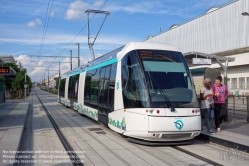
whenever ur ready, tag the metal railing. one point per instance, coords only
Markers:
(240, 103)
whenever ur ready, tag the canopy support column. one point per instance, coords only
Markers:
(224, 67)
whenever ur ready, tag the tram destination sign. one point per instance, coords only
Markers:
(201, 61)
(4, 70)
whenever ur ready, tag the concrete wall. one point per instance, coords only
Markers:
(238, 72)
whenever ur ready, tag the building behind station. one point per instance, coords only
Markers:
(221, 31)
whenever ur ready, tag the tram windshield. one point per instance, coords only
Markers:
(167, 74)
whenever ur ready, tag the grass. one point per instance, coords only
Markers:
(16, 98)
(19, 98)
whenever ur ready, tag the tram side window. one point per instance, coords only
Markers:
(87, 89)
(91, 88)
(105, 89)
(73, 87)
(94, 89)
(100, 82)
(76, 86)
(133, 84)
(70, 85)
(62, 87)
(112, 86)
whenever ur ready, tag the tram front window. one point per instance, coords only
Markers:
(167, 76)
(133, 83)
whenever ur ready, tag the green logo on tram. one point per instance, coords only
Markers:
(179, 124)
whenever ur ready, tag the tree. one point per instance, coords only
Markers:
(17, 84)
(57, 83)
(7, 82)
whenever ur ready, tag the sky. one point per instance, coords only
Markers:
(53, 27)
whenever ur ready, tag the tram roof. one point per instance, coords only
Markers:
(107, 58)
(96, 61)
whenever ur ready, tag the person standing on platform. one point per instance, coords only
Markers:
(206, 95)
(220, 96)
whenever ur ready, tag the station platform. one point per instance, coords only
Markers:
(234, 134)
(12, 120)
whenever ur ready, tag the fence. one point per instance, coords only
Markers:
(2, 90)
(12, 94)
(239, 105)
(51, 90)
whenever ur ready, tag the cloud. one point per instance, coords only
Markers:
(63, 38)
(57, 40)
(163, 7)
(36, 70)
(77, 9)
(52, 13)
(140, 7)
(34, 23)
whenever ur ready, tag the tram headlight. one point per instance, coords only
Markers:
(197, 111)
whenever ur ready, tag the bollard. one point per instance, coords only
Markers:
(247, 103)
(233, 106)
(243, 96)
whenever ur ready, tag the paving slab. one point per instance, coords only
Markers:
(235, 134)
(12, 121)
(220, 154)
(45, 138)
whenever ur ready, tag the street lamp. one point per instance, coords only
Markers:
(245, 14)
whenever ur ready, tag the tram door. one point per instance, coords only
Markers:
(104, 95)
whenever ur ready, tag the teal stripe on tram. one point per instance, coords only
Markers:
(76, 73)
(63, 77)
(102, 64)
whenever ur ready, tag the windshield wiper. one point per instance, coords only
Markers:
(152, 81)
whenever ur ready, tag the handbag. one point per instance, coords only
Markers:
(211, 106)
(211, 111)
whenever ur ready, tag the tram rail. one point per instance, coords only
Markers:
(73, 156)
(174, 147)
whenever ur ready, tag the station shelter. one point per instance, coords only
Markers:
(5, 71)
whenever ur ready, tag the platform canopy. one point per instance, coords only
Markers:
(7, 59)
(215, 59)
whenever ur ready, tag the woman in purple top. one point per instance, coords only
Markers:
(221, 93)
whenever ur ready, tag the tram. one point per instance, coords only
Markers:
(141, 90)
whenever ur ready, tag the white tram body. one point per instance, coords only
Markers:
(141, 90)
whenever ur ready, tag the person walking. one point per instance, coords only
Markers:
(220, 96)
(206, 96)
